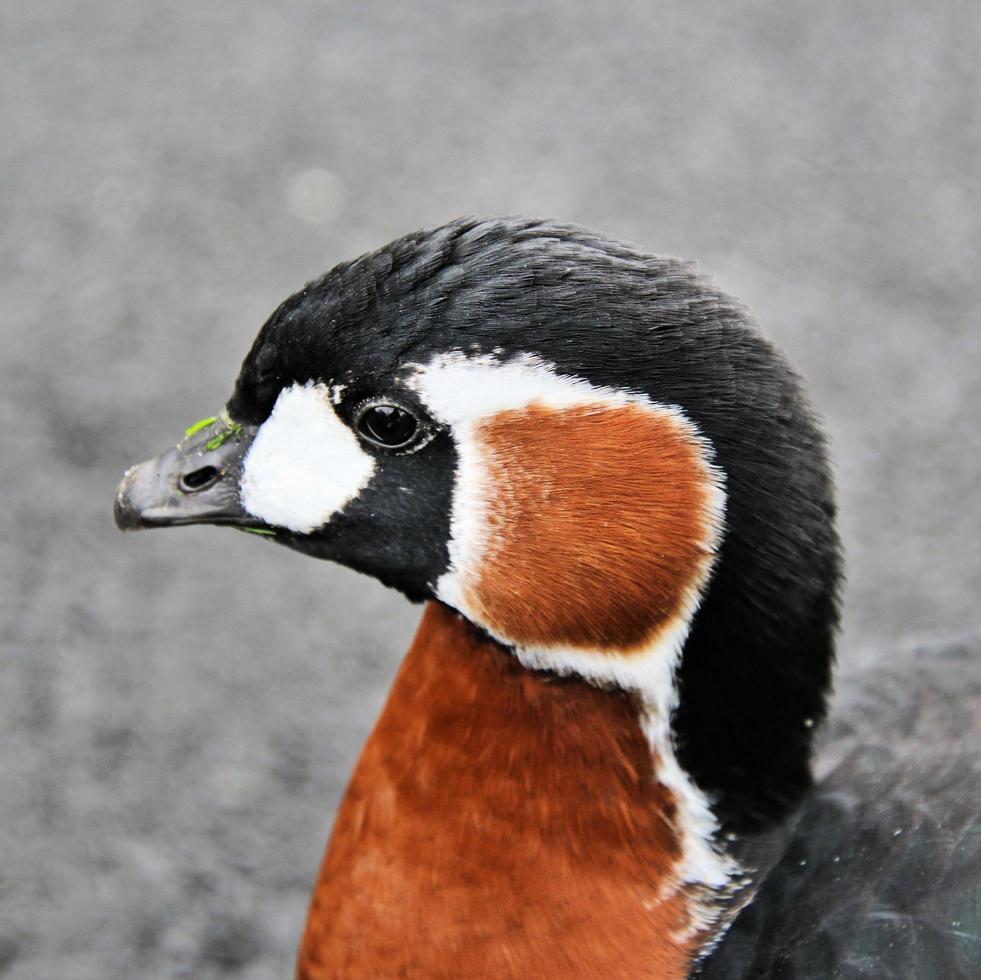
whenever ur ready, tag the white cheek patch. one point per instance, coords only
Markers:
(305, 464)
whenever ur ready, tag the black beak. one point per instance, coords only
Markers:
(196, 482)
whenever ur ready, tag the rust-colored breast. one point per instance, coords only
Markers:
(500, 823)
(598, 525)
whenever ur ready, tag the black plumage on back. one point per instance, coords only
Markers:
(881, 871)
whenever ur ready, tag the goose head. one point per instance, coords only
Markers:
(590, 453)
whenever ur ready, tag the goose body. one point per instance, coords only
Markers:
(610, 492)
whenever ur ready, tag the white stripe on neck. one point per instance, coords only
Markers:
(462, 391)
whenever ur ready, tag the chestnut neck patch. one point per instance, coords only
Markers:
(600, 525)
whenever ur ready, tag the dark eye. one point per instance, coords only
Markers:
(388, 425)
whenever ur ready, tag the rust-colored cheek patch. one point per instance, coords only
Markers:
(598, 525)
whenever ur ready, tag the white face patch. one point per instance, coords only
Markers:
(305, 464)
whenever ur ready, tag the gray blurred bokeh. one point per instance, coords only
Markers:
(180, 710)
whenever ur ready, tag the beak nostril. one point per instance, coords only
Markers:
(199, 479)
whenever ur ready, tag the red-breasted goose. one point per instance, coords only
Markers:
(612, 495)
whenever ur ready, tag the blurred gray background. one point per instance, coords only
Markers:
(179, 710)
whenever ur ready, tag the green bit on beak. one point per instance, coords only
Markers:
(231, 429)
(264, 531)
(198, 426)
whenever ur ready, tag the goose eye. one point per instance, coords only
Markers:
(388, 426)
